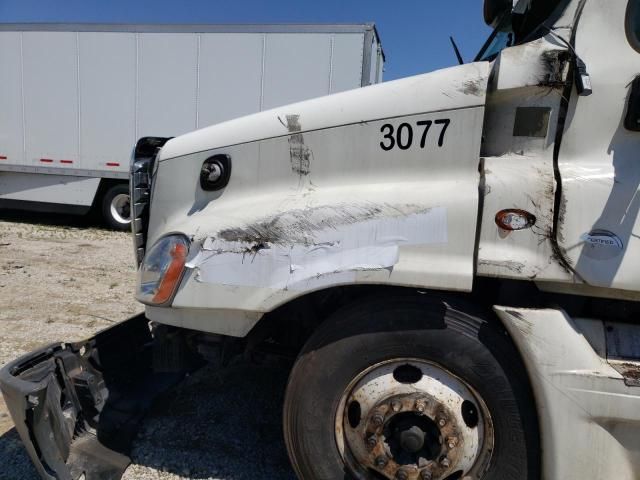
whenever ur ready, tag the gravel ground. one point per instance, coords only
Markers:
(217, 425)
(65, 278)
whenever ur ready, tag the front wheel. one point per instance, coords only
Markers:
(411, 389)
(116, 207)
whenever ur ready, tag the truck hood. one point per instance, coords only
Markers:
(374, 185)
(456, 87)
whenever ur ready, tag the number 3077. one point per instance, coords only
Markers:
(402, 136)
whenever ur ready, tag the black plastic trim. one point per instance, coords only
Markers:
(223, 163)
(77, 406)
(140, 177)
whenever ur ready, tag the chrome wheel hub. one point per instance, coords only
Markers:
(120, 208)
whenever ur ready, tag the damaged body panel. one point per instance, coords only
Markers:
(452, 184)
(585, 403)
(312, 205)
(524, 107)
(599, 224)
(77, 406)
(565, 157)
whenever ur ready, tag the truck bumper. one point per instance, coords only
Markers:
(77, 406)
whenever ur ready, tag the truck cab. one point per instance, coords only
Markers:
(450, 260)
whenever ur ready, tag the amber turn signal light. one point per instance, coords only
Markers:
(173, 274)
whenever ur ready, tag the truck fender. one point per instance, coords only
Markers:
(587, 410)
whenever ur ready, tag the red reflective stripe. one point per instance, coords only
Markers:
(112, 164)
(2, 157)
(66, 161)
(46, 160)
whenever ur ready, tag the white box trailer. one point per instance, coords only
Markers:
(75, 98)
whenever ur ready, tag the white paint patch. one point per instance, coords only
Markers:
(334, 256)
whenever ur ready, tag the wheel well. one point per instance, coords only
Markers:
(105, 185)
(282, 333)
(290, 325)
(293, 323)
(448, 330)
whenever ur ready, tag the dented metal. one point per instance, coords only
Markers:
(302, 249)
(346, 191)
(585, 403)
(317, 201)
(77, 406)
(491, 169)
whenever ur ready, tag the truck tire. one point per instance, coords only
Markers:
(116, 207)
(410, 387)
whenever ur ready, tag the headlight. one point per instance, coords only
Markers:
(161, 270)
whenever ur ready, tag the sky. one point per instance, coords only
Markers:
(414, 33)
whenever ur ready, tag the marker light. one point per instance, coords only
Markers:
(161, 270)
(515, 219)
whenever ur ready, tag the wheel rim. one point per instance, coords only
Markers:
(409, 419)
(120, 208)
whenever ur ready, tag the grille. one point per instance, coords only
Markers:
(140, 185)
(140, 190)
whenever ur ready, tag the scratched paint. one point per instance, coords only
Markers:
(299, 153)
(330, 254)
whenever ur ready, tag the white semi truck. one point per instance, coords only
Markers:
(75, 97)
(451, 261)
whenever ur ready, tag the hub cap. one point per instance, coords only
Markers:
(410, 419)
(120, 208)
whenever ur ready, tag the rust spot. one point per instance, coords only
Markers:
(629, 370)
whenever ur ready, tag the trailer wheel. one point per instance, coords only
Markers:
(410, 388)
(116, 210)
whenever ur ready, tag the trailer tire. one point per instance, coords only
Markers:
(346, 365)
(116, 207)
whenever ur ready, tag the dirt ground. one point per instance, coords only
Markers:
(59, 282)
(65, 278)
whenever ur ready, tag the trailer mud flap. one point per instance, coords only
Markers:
(77, 406)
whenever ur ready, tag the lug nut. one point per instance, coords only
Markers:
(426, 475)
(402, 475)
(442, 421)
(396, 406)
(420, 406)
(381, 461)
(377, 419)
(372, 441)
(445, 462)
(452, 442)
